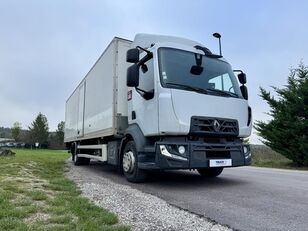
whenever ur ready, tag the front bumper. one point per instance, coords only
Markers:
(199, 154)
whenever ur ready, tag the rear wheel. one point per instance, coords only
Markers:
(81, 161)
(130, 164)
(73, 151)
(210, 172)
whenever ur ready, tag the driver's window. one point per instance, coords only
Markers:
(215, 83)
(222, 83)
(227, 84)
(146, 76)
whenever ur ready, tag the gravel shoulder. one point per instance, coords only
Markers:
(137, 209)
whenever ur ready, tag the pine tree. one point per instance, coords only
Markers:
(15, 130)
(287, 131)
(60, 133)
(39, 130)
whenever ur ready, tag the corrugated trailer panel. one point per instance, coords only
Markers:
(105, 99)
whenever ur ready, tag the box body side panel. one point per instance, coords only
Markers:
(99, 93)
(105, 96)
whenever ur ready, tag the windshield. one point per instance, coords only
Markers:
(189, 71)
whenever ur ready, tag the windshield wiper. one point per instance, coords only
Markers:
(204, 91)
(186, 87)
(223, 93)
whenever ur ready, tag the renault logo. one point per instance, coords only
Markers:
(216, 125)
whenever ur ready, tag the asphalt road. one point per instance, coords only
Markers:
(245, 198)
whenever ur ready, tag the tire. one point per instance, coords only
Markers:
(73, 151)
(210, 172)
(78, 161)
(129, 164)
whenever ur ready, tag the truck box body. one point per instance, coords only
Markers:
(98, 106)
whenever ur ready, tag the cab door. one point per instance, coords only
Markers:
(141, 111)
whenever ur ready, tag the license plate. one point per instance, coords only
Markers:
(221, 163)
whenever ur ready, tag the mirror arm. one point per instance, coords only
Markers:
(145, 58)
(138, 90)
(141, 48)
(145, 94)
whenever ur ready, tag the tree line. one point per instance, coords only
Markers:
(37, 133)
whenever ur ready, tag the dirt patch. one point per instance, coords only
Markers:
(6, 152)
(43, 217)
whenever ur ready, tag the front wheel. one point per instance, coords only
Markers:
(130, 164)
(210, 172)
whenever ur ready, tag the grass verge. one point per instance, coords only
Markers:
(263, 156)
(35, 195)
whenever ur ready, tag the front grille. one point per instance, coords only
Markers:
(213, 126)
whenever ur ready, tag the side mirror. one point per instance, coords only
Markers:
(244, 91)
(132, 77)
(242, 77)
(132, 55)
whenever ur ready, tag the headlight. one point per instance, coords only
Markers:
(164, 151)
(247, 152)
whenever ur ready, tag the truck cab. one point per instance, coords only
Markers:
(187, 105)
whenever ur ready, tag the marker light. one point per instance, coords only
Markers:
(181, 150)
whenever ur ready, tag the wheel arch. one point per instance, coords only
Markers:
(132, 133)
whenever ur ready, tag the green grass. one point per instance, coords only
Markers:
(35, 195)
(263, 156)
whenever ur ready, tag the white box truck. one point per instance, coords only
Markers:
(160, 102)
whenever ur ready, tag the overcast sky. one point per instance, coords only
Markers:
(46, 47)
